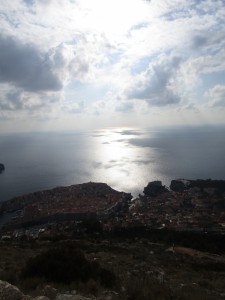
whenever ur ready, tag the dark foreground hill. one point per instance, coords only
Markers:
(106, 268)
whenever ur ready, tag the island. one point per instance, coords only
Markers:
(2, 168)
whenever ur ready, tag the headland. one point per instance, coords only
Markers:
(187, 205)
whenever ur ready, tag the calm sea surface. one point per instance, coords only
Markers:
(123, 158)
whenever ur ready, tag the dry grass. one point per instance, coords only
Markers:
(135, 264)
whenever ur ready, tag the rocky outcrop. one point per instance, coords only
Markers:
(9, 292)
(155, 188)
(2, 168)
(50, 291)
(71, 297)
(180, 185)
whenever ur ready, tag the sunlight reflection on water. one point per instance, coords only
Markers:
(127, 167)
(126, 159)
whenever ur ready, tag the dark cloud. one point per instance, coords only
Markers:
(31, 79)
(199, 41)
(25, 66)
(13, 101)
(155, 84)
(203, 40)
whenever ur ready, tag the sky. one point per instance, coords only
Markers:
(84, 64)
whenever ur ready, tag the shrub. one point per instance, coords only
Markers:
(147, 289)
(211, 266)
(64, 264)
(93, 287)
(30, 283)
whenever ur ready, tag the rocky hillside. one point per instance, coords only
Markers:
(11, 292)
(114, 268)
(166, 244)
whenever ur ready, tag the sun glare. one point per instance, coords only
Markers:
(113, 17)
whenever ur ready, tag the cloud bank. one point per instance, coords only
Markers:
(104, 62)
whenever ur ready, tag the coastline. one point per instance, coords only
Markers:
(160, 243)
(186, 205)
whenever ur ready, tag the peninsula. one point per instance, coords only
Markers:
(193, 205)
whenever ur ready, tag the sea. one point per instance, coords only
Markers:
(124, 158)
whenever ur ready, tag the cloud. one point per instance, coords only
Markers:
(17, 99)
(74, 107)
(216, 96)
(199, 41)
(143, 64)
(13, 101)
(125, 107)
(155, 85)
(203, 42)
(31, 79)
(23, 65)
